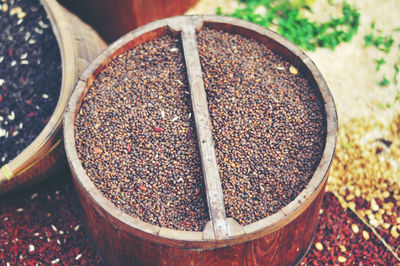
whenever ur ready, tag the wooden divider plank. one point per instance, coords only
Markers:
(204, 131)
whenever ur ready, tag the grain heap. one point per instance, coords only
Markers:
(366, 172)
(136, 138)
(30, 75)
(268, 124)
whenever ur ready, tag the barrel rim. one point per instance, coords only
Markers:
(192, 239)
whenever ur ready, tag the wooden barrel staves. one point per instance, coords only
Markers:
(282, 238)
(45, 156)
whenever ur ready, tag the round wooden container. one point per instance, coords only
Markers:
(78, 44)
(115, 18)
(282, 238)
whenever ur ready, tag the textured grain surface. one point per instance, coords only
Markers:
(136, 137)
(268, 124)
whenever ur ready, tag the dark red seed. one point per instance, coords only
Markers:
(157, 129)
(129, 148)
(1, 98)
(29, 101)
(21, 79)
(197, 192)
(31, 114)
(10, 52)
(46, 120)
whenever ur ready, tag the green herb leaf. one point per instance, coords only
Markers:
(379, 63)
(298, 29)
(383, 43)
(381, 106)
(384, 82)
(396, 72)
(346, 145)
(397, 96)
(369, 39)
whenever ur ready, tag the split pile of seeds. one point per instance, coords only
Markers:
(268, 124)
(135, 133)
(44, 226)
(135, 136)
(341, 238)
(30, 74)
(366, 174)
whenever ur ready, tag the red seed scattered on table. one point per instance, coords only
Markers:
(1, 98)
(197, 192)
(10, 52)
(157, 129)
(129, 148)
(29, 101)
(27, 241)
(344, 242)
(21, 79)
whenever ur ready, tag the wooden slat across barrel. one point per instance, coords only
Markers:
(282, 238)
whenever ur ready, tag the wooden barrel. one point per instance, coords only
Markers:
(282, 238)
(78, 44)
(112, 19)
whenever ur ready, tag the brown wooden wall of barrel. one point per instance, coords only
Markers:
(114, 18)
(118, 246)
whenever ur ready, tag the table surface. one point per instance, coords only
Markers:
(44, 224)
